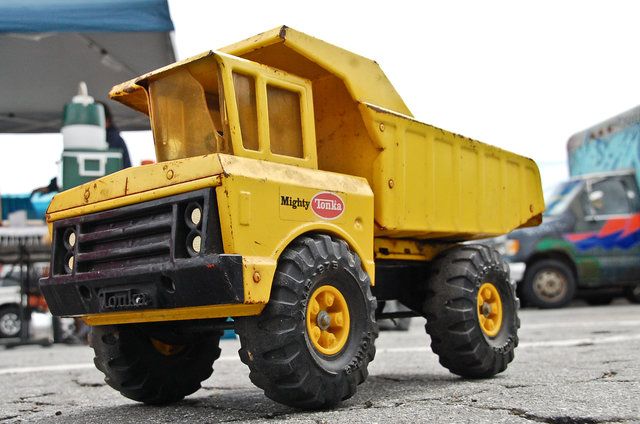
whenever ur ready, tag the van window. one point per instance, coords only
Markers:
(609, 197)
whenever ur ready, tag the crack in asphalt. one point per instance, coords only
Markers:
(457, 399)
(560, 419)
(87, 384)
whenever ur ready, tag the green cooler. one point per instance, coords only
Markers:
(82, 166)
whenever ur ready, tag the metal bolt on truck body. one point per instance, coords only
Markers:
(295, 193)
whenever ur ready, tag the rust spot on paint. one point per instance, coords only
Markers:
(211, 266)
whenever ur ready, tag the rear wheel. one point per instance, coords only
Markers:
(471, 310)
(548, 283)
(10, 323)
(633, 293)
(311, 345)
(152, 367)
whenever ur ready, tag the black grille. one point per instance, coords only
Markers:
(142, 234)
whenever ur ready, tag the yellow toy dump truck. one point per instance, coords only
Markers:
(291, 177)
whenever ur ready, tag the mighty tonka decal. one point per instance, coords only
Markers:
(294, 203)
(327, 205)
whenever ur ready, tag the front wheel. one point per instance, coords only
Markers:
(311, 345)
(471, 311)
(548, 283)
(152, 366)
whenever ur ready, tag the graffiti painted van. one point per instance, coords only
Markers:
(589, 242)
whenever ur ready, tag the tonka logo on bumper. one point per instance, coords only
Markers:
(327, 205)
(122, 299)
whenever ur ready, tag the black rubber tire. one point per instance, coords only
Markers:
(548, 265)
(12, 313)
(450, 308)
(275, 344)
(134, 367)
(632, 293)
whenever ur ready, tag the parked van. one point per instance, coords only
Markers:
(589, 241)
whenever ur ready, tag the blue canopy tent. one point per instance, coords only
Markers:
(48, 46)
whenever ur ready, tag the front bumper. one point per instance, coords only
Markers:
(207, 280)
(139, 257)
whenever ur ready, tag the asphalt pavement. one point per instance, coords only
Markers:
(574, 365)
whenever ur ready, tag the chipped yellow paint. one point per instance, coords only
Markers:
(430, 183)
(135, 185)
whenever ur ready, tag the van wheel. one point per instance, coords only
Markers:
(311, 345)
(548, 283)
(471, 311)
(150, 368)
(633, 293)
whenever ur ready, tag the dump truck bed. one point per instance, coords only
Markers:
(433, 184)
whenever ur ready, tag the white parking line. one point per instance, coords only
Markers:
(72, 367)
(585, 324)
(545, 343)
(587, 341)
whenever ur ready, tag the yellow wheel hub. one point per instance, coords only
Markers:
(489, 309)
(165, 348)
(328, 320)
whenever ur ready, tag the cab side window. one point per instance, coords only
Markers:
(612, 196)
(285, 123)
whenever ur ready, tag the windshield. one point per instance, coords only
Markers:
(561, 196)
(185, 114)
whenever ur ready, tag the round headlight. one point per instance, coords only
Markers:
(196, 244)
(196, 216)
(71, 239)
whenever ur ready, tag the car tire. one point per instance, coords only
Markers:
(472, 311)
(294, 355)
(548, 283)
(10, 322)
